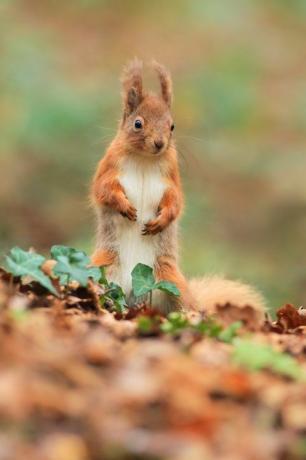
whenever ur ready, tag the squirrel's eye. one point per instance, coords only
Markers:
(172, 127)
(137, 124)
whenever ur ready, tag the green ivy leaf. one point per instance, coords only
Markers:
(59, 250)
(95, 274)
(26, 263)
(142, 280)
(68, 270)
(116, 294)
(168, 287)
(73, 265)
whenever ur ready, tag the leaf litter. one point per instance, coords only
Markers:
(83, 378)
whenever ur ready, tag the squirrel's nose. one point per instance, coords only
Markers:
(159, 144)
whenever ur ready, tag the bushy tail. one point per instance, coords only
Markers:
(214, 292)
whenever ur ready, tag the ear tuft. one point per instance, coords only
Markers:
(165, 82)
(132, 85)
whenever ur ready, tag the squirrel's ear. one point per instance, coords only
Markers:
(165, 82)
(132, 85)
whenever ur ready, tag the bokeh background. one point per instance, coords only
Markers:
(239, 70)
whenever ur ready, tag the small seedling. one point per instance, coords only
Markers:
(176, 322)
(143, 282)
(257, 356)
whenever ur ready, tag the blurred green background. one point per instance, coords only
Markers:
(239, 70)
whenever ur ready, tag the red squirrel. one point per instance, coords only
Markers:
(138, 198)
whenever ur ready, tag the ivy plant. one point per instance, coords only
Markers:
(73, 265)
(27, 263)
(143, 282)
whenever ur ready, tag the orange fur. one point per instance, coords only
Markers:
(166, 269)
(106, 188)
(132, 86)
(215, 291)
(102, 257)
(165, 82)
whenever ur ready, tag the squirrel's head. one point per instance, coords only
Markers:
(147, 122)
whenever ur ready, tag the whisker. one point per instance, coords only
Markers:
(181, 154)
(102, 140)
(198, 139)
(108, 128)
(193, 162)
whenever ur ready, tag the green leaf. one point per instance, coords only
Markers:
(145, 324)
(95, 274)
(256, 356)
(230, 332)
(26, 263)
(59, 250)
(209, 327)
(73, 265)
(69, 270)
(168, 287)
(102, 276)
(142, 280)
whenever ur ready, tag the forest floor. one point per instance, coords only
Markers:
(79, 382)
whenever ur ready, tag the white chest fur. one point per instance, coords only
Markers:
(144, 186)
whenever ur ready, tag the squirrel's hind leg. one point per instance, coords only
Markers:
(166, 269)
(103, 257)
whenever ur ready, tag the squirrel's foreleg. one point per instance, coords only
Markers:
(168, 210)
(111, 193)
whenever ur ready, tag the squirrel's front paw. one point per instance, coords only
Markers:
(153, 227)
(130, 212)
